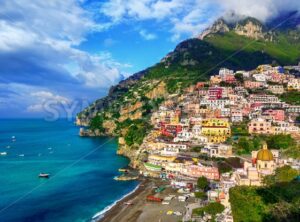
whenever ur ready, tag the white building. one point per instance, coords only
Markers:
(217, 150)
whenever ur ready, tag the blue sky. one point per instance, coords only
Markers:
(68, 53)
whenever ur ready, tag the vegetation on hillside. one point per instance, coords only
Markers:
(291, 97)
(279, 201)
(282, 50)
(212, 209)
(137, 130)
(281, 141)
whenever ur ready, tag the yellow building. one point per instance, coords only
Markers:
(217, 130)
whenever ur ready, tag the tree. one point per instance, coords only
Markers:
(201, 195)
(245, 145)
(239, 77)
(97, 123)
(280, 141)
(202, 183)
(211, 208)
(269, 180)
(214, 208)
(285, 174)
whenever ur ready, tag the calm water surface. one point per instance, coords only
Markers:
(82, 172)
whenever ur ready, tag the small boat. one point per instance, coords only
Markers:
(3, 153)
(44, 175)
(123, 170)
(21, 155)
(128, 203)
(8, 147)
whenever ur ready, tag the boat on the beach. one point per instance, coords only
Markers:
(44, 175)
(128, 203)
(160, 189)
(154, 199)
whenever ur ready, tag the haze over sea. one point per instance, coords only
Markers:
(79, 187)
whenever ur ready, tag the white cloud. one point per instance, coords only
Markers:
(147, 35)
(39, 40)
(262, 10)
(190, 17)
(46, 95)
(119, 10)
(42, 98)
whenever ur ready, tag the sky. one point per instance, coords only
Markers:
(62, 55)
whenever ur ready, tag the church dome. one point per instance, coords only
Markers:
(264, 154)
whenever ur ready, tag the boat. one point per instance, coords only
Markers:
(3, 153)
(21, 155)
(44, 175)
(125, 178)
(123, 170)
(154, 199)
(128, 203)
(160, 189)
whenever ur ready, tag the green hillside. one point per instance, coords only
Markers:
(191, 61)
(195, 60)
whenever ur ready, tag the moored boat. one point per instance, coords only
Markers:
(44, 175)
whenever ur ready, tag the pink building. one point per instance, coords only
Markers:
(215, 92)
(277, 115)
(259, 126)
(278, 78)
(229, 78)
(211, 173)
(252, 84)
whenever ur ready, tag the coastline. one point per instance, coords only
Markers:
(136, 208)
(113, 211)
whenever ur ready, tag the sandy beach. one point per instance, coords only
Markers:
(143, 210)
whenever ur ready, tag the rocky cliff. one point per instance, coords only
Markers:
(243, 44)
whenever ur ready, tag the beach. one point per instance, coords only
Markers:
(142, 210)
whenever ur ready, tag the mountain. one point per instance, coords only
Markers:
(242, 44)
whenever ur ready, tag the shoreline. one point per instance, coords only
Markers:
(101, 214)
(114, 210)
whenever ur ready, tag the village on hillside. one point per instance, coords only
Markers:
(237, 129)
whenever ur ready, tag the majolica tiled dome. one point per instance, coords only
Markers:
(264, 154)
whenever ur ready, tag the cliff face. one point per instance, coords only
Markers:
(248, 27)
(219, 26)
(250, 30)
(125, 112)
(157, 91)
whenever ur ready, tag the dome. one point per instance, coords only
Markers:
(264, 154)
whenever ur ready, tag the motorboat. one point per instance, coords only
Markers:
(44, 175)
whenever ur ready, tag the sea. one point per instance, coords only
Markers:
(81, 169)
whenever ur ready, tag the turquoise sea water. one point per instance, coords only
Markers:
(82, 171)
